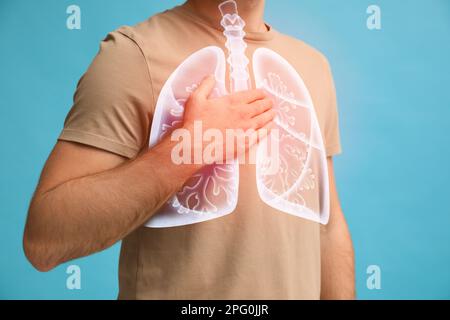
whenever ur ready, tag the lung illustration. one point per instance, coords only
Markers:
(212, 191)
(299, 186)
(292, 178)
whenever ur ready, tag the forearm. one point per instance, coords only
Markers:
(337, 262)
(89, 214)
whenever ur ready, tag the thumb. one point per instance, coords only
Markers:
(205, 88)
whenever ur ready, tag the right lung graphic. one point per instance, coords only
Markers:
(298, 186)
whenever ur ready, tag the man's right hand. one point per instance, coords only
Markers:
(240, 112)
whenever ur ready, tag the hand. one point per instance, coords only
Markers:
(248, 112)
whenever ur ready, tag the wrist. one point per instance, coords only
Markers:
(167, 155)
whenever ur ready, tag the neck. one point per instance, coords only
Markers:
(251, 11)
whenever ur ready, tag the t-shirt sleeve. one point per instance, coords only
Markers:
(331, 130)
(113, 101)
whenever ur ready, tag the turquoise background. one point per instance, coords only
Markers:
(394, 98)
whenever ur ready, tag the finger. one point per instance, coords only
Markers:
(262, 133)
(248, 96)
(263, 119)
(265, 130)
(205, 88)
(259, 106)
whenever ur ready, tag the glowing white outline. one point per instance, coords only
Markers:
(173, 213)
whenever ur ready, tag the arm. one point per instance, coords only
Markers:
(88, 199)
(338, 275)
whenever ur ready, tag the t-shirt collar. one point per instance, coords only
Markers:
(250, 36)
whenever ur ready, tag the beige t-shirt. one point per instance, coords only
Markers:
(256, 252)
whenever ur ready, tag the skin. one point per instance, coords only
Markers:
(78, 210)
(252, 11)
(336, 250)
(107, 197)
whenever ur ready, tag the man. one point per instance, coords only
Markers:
(101, 182)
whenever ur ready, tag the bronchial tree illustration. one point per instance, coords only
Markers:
(299, 186)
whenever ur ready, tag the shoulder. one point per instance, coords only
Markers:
(303, 47)
(150, 30)
(131, 43)
(303, 53)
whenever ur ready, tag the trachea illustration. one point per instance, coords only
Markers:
(298, 186)
(234, 33)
